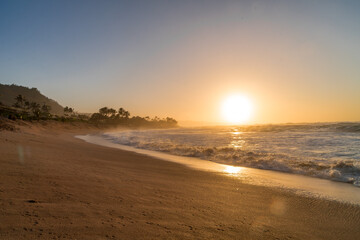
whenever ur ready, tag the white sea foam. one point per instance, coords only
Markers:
(329, 151)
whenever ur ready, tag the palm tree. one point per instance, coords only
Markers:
(27, 104)
(107, 112)
(171, 121)
(45, 109)
(35, 107)
(68, 110)
(20, 98)
(103, 111)
(19, 101)
(126, 115)
(111, 112)
(96, 117)
(123, 113)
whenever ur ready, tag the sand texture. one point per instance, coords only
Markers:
(54, 186)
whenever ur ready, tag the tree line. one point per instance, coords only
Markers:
(35, 108)
(123, 117)
(26, 110)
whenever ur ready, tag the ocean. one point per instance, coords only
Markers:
(323, 150)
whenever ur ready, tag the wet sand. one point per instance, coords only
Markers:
(54, 186)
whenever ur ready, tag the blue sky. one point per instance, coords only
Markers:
(297, 60)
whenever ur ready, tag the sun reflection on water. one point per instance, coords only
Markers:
(237, 141)
(232, 170)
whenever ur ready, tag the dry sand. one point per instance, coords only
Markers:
(54, 186)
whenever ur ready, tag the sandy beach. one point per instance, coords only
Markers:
(54, 186)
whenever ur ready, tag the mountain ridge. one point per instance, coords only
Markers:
(8, 93)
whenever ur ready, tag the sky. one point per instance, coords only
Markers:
(297, 61)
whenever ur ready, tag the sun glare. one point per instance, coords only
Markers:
(236, 109)
(232, 170)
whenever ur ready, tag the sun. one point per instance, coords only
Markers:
(236, 109)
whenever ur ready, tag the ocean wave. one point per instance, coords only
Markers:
(335, 169)
(339, 127)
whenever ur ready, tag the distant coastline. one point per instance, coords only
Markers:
(22, 103)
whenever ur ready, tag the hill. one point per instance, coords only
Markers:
(9, 92)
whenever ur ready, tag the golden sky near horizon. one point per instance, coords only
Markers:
(294, 61)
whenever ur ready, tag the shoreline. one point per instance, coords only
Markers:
(53, 185)
(300, 184)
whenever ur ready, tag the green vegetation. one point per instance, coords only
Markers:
(9, 96)
(26, 110)
(122, 117)
(107, 117)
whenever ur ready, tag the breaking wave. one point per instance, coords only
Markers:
(335, 127)
(330, 151)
